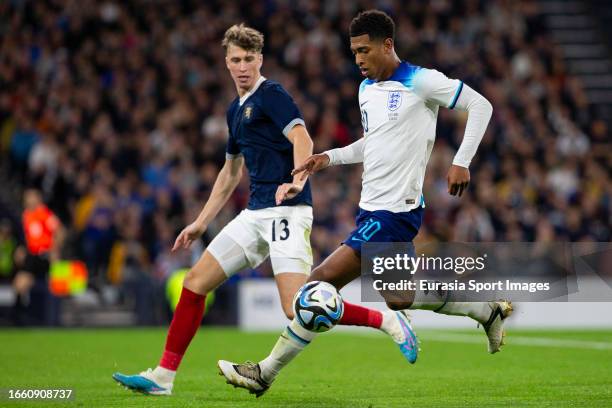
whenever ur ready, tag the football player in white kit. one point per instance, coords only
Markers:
(399, 105)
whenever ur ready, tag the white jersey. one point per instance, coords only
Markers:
(399, 122)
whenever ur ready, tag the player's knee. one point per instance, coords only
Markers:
(398, 305)
(190, 279)
(194, 282)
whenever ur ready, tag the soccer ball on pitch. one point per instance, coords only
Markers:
(318, 306)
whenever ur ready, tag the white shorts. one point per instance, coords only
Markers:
(282, 233)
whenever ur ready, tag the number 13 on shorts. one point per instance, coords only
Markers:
(284, 232)
(289, 233)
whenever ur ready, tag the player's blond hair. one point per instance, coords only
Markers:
(244, 37)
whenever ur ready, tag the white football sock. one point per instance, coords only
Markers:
(388, 321)
(429, 299)
(289, 344)
(163, 375)
(443, 302)
(479, 311)
(390, 325)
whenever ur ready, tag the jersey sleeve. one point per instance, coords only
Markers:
(232, 150)
(281, 109)
(434, 86)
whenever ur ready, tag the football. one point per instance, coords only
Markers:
(318, 306)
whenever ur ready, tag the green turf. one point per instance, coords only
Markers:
(337, 370)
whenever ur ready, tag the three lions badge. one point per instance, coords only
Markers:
(394, 101)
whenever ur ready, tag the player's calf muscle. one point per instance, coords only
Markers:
(288, 285)
(287, 301)
(398, 305)
(288, 309)
(398, 300)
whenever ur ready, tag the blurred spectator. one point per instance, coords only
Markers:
(8, 244)
(44, 236)
(144, 293)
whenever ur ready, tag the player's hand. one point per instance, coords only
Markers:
(458, 180)
(189, 234)
(287, 191)
(312, 164)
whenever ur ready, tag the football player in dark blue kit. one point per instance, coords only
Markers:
(268, 135)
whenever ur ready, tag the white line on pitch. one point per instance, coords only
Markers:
(520, 341)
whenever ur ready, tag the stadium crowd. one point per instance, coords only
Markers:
(116, 110)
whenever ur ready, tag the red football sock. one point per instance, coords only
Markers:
(185, 323)
(355, 315)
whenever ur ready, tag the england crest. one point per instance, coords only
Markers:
(395, 100)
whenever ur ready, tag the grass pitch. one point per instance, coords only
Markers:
(339, 369)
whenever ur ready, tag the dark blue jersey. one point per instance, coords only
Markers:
(258, 130)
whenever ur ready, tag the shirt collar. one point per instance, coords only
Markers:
(244, 97)
(399, 73)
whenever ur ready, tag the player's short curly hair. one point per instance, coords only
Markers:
(244, 37)
(375, 23)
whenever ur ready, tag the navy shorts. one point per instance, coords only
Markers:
(384, 226)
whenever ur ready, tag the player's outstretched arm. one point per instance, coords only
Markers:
(312, 164)
(224, 186)
(350, 154)
(302, 149)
